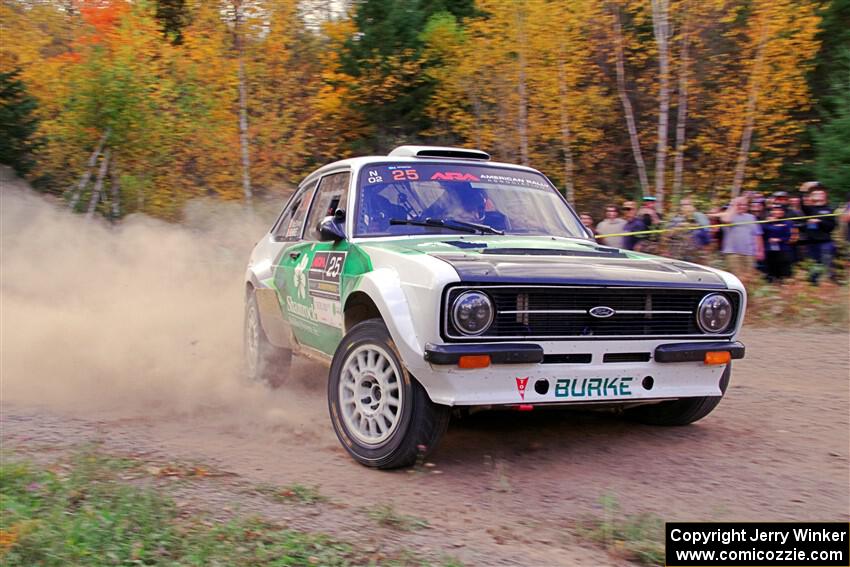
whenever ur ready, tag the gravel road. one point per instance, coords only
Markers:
(505, 487)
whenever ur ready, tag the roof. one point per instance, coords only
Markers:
(394, 156)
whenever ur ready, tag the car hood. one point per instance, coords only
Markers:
(551, 260)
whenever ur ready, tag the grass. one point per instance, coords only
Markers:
(387, 516)
(637, 538)
(799, 301)
(83, 514)
(292, 493)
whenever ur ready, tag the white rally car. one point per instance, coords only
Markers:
(433, 278)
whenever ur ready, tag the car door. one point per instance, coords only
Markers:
(310, 272)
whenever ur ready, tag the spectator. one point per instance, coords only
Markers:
(633, 224)
(688, 242)
(798, 246)
(587, 221)
(742, 243)
(781, 198)
(612, 224)
(651, 219)
(819, 233)
(648, 213)
(778, 237)
(757, 208)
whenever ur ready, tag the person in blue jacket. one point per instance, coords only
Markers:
(778, 237)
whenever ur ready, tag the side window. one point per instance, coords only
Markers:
(292, 219)
(332, 195)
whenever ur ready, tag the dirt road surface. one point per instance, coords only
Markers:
(509, 487)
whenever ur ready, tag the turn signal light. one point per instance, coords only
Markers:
(474, 361)
(718, 357)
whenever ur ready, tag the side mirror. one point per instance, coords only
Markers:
(333, 228)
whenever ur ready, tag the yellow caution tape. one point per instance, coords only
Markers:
(675, 228)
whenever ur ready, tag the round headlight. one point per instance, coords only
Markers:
(714, 313)
(472, 312)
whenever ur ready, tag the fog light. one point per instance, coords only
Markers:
(474, 361)
(718, 357)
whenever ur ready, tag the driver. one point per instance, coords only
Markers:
(469, 204)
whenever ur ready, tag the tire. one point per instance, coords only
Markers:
(264, 362)
(680, 412)
(380, 413)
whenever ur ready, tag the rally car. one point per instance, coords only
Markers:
(434, 278)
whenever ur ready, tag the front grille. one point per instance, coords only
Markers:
(564, 312)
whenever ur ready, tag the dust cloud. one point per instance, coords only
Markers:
(143, 318)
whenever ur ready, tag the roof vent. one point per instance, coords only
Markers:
(439, 152)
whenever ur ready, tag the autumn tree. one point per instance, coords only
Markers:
(18, 123)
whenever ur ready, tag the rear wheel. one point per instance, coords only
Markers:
(264, 362)
(381, 414)
(680, 412)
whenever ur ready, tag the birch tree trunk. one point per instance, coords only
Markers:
(243, 103)
(522, 125)
(661, 27)
(116, 192)
(98, 185)
(627, 105)
(84, 180)
(749, 125)
(566, 135)
(681, 110)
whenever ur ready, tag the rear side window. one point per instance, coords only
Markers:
(332, 195)
(292, 221)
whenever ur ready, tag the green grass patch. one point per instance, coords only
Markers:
(82, 514)
(387, 516)
(634, 537)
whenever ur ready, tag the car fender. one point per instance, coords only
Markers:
(407, 290)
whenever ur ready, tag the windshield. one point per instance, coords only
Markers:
(410, 198)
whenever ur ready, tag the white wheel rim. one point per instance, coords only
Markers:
(370, 394)
(252, 340)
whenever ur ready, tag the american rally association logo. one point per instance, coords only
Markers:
(521, 383)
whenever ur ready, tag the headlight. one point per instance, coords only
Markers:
(472, 312)
(714, 313)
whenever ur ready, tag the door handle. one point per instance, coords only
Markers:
(295, 255)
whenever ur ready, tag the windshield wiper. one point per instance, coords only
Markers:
(451, 224)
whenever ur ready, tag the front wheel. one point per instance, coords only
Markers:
(680, 412)
(381, 414)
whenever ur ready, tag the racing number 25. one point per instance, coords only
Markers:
(334, 267)
(405, 174)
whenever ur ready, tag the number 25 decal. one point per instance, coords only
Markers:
(404, 174)
(334, 267)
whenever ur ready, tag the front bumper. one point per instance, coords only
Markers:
(574, 372)
(517, 353)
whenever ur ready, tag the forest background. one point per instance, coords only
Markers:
(122, 107)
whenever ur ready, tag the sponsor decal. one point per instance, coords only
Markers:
(327, 311)
(299, 279)
(300, 309)
(324, 274)
(511, 180)
(593, 387)
(521, 383)
(454, 176)
(315, 291)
